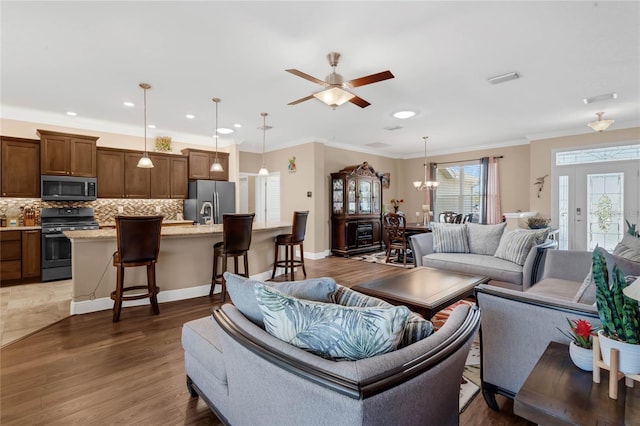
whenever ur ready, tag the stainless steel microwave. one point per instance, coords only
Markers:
(68, 188)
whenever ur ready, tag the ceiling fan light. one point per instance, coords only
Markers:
(334, 96)
(600, 125)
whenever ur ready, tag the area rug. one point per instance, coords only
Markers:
(381, 258)
(470, 384)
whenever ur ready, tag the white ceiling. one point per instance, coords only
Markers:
(89, 57)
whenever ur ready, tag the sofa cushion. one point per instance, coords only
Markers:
(417, 328)
(556, 288)
(243, 296)
(515, 245)
(449, 238)
(476, 264)
(587, 292)
(484, 239)
(330, 330)
(629, 248)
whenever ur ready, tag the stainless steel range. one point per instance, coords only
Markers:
(56, 248)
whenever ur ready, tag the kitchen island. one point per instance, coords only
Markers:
(183, 270)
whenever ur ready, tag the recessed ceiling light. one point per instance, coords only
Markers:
(151, 126)
(237, 125)
(599, 98)
(190, 116)
(71, 113)
(128, 104)
(224, 130)
(503, 78)
(404, 114)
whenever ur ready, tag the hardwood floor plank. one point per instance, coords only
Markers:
(87, 370)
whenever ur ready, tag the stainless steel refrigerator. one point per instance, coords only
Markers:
(209, 199)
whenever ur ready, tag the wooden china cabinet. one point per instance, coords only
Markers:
(356, 210)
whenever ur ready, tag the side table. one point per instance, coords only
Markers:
(559, 393)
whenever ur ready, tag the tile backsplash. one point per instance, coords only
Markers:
(105, 209)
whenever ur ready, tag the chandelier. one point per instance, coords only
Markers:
(425, 184)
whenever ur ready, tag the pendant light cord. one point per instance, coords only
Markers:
(215, 131)
(264, 134)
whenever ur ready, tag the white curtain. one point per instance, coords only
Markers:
(494, 212)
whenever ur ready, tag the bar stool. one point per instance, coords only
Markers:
(138, 245)
(289, 241)
(236, 240)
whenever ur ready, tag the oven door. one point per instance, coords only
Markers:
(56, 250)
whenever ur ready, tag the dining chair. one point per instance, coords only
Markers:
(449, 217)
(395, 235)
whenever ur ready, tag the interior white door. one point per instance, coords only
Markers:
(594, 202)
(268, 198)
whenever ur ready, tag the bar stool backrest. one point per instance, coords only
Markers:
(299, 227)
(236, 231)
(138, 238)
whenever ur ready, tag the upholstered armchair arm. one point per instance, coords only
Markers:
(571, 265)
(516, 327)
(421, 245)
(534, 263)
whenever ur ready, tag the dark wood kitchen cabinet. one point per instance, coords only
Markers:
(20, 255)
(137, 181)
(356, 210)
(200, 162)
(168, 176)
(110, 173)
(20, 162)
(67, 154)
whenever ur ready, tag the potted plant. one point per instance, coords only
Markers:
(618, 314)
(537, 222)
(581, 333)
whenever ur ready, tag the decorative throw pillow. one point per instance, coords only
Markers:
(243, 296)
(515, 245)
(484, 239)
(627, 267)
(587, 292)
(629, 248)
(449, 238)
(416, 329)
(329, 330)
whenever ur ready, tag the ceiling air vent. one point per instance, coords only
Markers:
(392, 128)
(599, 98)
(503, 78)
(378, 145)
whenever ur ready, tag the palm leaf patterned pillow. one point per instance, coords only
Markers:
(329, 330)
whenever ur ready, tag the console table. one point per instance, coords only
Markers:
(559, 393)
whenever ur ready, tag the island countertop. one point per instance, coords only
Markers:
(183, 269)
(169, 231)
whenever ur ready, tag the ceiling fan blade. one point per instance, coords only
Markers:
(307, 77)
(373, 78)
(306, 98)
(359, 101)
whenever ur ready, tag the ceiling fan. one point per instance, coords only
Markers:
(336, 91)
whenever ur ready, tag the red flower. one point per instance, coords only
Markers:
(581, 332)
(582, 328)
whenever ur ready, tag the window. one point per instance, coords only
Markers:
(459, 189)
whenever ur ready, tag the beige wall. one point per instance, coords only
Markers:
(541, 159)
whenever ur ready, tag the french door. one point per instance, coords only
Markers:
(593, 201)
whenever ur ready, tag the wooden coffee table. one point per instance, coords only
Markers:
(559, 393)
(423, 290)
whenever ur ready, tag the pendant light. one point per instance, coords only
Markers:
(263, 170)
(425, 184)
(216, 166)
(145, 161)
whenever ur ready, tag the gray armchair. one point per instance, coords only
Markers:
(517, 326)
(248, 376)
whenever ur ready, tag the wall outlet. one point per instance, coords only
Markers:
(120, 209)
(158, 209)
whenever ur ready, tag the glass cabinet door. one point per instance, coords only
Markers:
(364, 192)
(351, 196)
(338, 196)
(376, 196)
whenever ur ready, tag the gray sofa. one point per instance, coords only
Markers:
(517, 326)
(249, 377)
(480, 259)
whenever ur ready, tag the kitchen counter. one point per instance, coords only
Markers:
(164, 223)
(184, 264)
(19, 228)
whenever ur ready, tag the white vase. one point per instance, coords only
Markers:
(581, 357)
(629, 354)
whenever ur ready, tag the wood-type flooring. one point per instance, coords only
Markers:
(87, 370)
